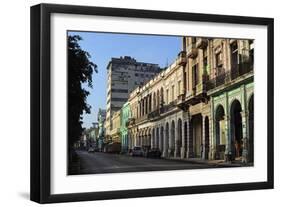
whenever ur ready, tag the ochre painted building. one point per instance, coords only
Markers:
(201, 106)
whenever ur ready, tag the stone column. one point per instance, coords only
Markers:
(170, 147)
(165, 138)
(189, 153)
(156, 142)
(203, 156)
(152, 139)
(183, 134)
(228, 139)
(228, 136)
(176, 153)
(245, 152)
(161, 139)
(212, 132)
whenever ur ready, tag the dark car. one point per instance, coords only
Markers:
(153, 153)
(137, 151)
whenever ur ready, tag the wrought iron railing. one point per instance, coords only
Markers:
(225, 77)
(163, 109)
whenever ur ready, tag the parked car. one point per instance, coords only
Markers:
(114, 147)
(137, 151)
(91, 150)
(153, 153)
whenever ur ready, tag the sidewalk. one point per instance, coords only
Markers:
(218, 163)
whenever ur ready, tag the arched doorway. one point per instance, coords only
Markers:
(207, 142)
(220, 139)
(179, 141)
(196, 123)
(251, 130)
(236, 130)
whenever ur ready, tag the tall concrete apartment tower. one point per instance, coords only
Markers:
(124, 74)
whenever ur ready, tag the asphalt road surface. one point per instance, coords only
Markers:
(99, 162)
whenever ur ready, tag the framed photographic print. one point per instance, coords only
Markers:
(132, 103)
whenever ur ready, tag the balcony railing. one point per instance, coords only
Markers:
(163, 109)
(241, 69)
(154, 114)
(168, 107)
(182, 60)
(228, 76)
(142, 118)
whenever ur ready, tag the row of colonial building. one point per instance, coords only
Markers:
(201, 106)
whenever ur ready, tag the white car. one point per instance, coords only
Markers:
(137, 151)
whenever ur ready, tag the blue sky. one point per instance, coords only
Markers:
(103, 46)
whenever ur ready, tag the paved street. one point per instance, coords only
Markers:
(99, 162)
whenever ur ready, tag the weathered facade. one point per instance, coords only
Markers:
(231, 91)
(124, 74)
(156, 120)
(115, 135)
(101, 135)
(201, 106)
(125, 115)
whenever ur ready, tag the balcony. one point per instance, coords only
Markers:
(168, 107)
(154, 114)
(241, 69)
(142, 118)
(218, 80)
(130, 122)
(192, 51)
(227, 77)
(182, 60)
(163, 109)
(201, 43)
(180, 98)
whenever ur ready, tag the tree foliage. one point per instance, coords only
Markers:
(80, 70)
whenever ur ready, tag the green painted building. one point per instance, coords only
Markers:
(125, 116)
(232, 118)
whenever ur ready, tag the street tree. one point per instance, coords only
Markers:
(80, 70)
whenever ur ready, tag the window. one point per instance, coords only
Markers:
(167, 96)
(219, 63)
(173, 93)
(119, 99)
(193, 40)
(195, 74)
(205, 61)
(119, 90)
(179, 88)
(234, 59)
(251, 53)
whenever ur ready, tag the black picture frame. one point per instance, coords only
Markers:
(40, 102)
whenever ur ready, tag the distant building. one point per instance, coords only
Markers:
(124, 74)
(101, 132)
(115, 132)
(125, 116)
